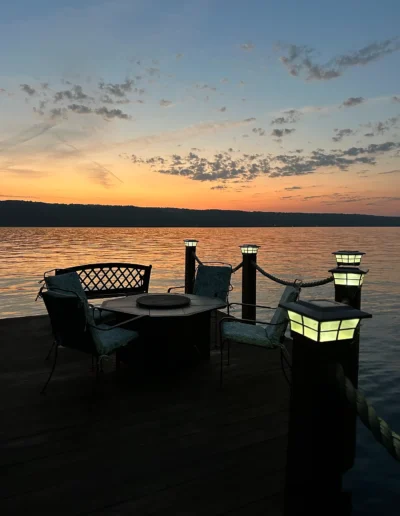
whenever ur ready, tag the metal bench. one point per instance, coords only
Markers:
(101, 280)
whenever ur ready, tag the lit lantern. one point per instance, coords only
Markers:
(189, 242)
(249, 248)
(348, 276)
(348, 257)
(322, 320)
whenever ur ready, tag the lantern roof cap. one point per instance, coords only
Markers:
(348, 252)
(353, 270)
(249, 245)
(324, 310)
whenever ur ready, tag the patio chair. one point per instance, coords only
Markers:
(270, 336)
(70, 281)
(73, 326)
(212, 281)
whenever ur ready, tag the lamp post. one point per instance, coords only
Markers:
(322, 426)
(249, 280)
(190, 264)
(348, 282)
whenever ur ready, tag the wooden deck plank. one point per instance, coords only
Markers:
(148, 445)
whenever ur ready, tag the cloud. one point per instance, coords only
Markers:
(247, 46)
(373, 148)
(225, 167)
(293, 188)
(111, 113)
(219, 187)
(383, 127)
(299, 60)
(397, 171)
(117, 89)
(28, 89)
(353, 101)
(187, 132)
(23, 172)
(199, 86)
(75, 93)
(278, 133)
(101, 177)
(222, 109)
(56, 113)
(259, 131)
(341, 133)
(29, 134)
(106, 99)
(224, 80)
(80, 109)
(290, 116)
(179, 56)
(395, 99)
(165, 103)
(369, 135)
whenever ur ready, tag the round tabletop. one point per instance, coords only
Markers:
(133, 305)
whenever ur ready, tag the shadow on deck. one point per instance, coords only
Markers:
(172, 445)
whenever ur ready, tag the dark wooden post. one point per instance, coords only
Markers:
(318, 428)
(190, 264)
(348, 283)
(249, 280)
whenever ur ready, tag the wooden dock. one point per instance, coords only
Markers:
(170, 445)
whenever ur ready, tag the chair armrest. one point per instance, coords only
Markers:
(258, 306)
(117, 325)
(173, 288)
(232, 319)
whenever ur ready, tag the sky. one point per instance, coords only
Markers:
(290, 106)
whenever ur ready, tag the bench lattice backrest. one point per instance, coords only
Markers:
(101, 280)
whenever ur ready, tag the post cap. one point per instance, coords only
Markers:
(348, 257)
(189, 242)
(249, 248)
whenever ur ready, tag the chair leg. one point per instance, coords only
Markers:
(229, 352)
(50, 350)
(51, 372)
(221, 364)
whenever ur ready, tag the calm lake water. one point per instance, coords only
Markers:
(304, 253)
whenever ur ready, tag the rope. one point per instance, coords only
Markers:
(379, 428)
(284, 282)
(235, 269)
(198, 259)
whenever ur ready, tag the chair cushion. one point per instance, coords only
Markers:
(246, 333)
(68, 281)
(212, 281)
(108, 341)
(279, 321)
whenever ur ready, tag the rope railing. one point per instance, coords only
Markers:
(366, 412)
(316, 283)
(235, 269)
(198, 259)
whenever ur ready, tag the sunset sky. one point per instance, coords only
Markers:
(256, 105)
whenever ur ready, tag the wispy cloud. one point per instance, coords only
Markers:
(28, 89)
(29, 134)
(353, 101)
(247, 46)
(299, 60)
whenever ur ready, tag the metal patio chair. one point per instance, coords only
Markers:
(246, 331)
(73, 326)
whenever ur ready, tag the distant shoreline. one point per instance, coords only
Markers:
(39, 214)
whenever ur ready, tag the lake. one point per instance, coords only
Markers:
(304, 253)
